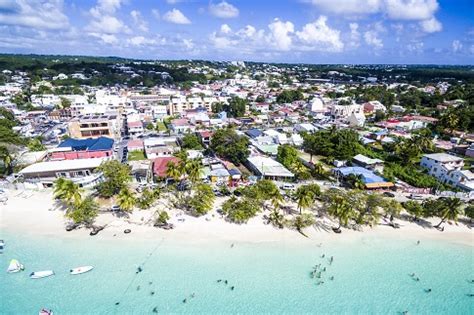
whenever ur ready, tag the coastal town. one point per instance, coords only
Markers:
(289, 144)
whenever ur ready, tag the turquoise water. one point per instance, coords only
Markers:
(371, 276)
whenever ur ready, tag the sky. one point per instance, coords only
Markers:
(290, 31)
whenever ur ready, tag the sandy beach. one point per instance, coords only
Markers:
(35, 213)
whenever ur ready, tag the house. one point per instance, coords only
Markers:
(356, 119)
(87, 126)
(305, 127)
(369, 178)
(181, 126)
(73, 149)
(448, 169)
(205, 136)
(135, 128)
(160, 165)
(368, 163)
(81, 171)
(373, 106)
(160, 147)
(261, 107)
(268, 168)
(254, 133)
(135, 145)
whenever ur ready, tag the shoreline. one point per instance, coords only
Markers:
(34, 216)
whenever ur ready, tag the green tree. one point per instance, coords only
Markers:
(469, 212)
(116, 177)
(217, 107)
(236, 107)
(67, 191)
(35, 145)
(146, 200)
(173, 171)
(338, 206)
(65, 103)
(414, 208)
(126, 200)
(227, 144)
(240, 210)
(83, 211)
(289, 96)
(7, 159)
(162, 218)
(191, 141)
(302, 221)
(202, 201)
(450, 209)
(392, 208)
(306, 195)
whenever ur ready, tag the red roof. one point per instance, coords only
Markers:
(160, 165)
(135, 124)
(205, 133)
(135, 144)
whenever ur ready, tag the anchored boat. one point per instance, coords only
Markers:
(41, 274)
(15, 266)
(79, 270)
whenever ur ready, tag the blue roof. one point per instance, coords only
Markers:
(234, 171)
(90, 144)
(254, 133)
(368, 177)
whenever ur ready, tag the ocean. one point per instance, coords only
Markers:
(368, 275)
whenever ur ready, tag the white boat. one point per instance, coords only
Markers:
(15, 266)
(79, 270)
(41, 274)
(45, 311)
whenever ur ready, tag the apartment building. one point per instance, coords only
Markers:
(448, 169)
(93, 126)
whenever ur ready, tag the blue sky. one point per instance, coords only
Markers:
(309, 31)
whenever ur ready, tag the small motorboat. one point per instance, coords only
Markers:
(79, 270)
(15, 266)
(45, 311)
(41, 274)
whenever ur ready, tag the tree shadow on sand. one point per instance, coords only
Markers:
(419, 221)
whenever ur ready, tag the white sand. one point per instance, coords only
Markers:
(35, 213)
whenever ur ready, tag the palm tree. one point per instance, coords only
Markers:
(276, 199)
(193, 169)
(126, 199)
(67, 191)
(392, 208)
(450, 210)
(301, 221)
(319, 171)
(276, 218)
(414, 208)
(356, 181)
(305, 198)
(341, 210)
(7, 159)
(172, 171)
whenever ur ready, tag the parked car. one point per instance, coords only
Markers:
(115, 208)
(389, 194)
(415, 197)
(287, 187)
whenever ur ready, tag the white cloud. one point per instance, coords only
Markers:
(103, 19)
(431, 26)
(354, 35)
(320, 36)
(156, 13)
(415, 47)
(351, 7)
(141, 41)
(471, 49)
(47, 14)
(175, 16)
(106, 38)
(225, 29)
(372, 39)
(280, 34)
(247, 31)
(411, 9)
(223, 10)
(139, 21)
(456, 45)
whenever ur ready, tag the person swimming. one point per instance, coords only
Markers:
(139, 269)
(225, 281)
(417, 279)
(323, 255)
(152, 293)
(150, 283)
(331, 260)
(412, 275)
(184, 301)
(117, 303)
(220, 280)
(232, 288)
(331, 278)
(427, 290)
(155, 310)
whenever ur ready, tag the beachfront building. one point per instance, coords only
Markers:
(81, 171)
(268, 168)
(92, 126)
(366, 162)
(73, 149)
(369, 178)
(448, 169)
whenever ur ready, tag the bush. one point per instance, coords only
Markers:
(240, 211)
(409, 174)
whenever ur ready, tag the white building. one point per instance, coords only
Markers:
(268, 168)
(448, 169)
(345, 111)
